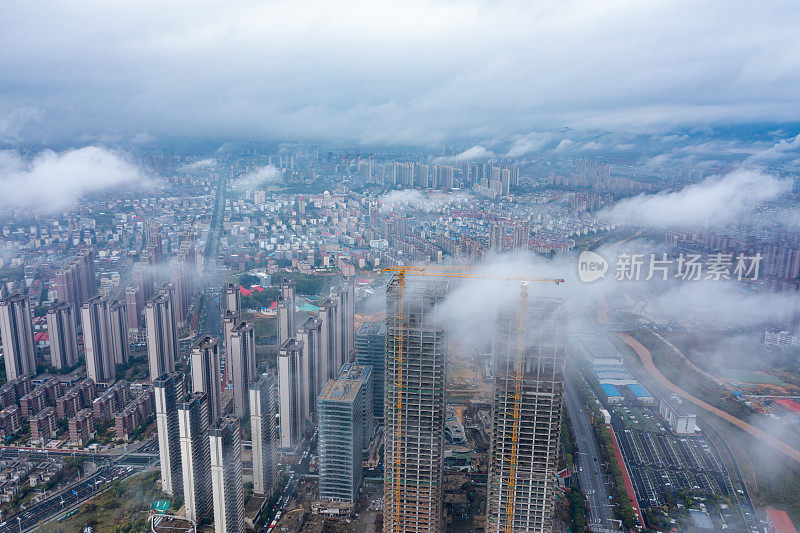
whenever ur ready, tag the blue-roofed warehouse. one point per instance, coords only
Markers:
(612, 393)
(641, 394)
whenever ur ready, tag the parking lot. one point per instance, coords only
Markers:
(661, 462)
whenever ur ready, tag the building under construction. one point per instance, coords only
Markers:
(414, 406)
(529, 352)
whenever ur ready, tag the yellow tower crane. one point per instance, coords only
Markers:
(457, 272)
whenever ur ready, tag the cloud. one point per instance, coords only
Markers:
(201, 164)
(13, 123)
(266, 175)
(715, 201)
(532, 142)
(417, 200)
(564, 145)
(54, 181)
(778, 151)
(470, 154)
(471, 70)
(592, 145)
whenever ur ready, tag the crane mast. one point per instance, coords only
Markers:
(456, 272)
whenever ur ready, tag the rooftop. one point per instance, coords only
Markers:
(340, 390)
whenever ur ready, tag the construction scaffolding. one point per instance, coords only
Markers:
(530, 350)
(414, 406)
(415, 398)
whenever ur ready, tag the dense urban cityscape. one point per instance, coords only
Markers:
(313, 340)
(416, 267)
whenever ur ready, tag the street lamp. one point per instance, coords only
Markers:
(19, 522)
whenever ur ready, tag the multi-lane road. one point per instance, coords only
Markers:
(587, 462)
(60, 503)
(295, 477)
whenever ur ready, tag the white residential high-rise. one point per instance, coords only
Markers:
(526, 414)
(309, 334)
(162, 333)
(206, 374)
(345, 306)
(101, 340)
(118, 316)
(265, 439)
(330, 353)
(292, 395)
(169, 393)
(62, 326)
(414, 408)
(226, 475)
(241, 363)
(229, 321)
(286, 311)
(16, 332)
(233, 299)
(195, 456)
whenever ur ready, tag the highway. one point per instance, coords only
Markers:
(211, 318)
(587, 462)
(61, 502)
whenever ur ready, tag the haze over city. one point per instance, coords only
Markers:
(450, 266)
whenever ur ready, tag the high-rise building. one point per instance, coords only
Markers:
(169, 393)
(143, 279)
(414, 407)
(179, 280)
(265, 439)
(75, 282)
(330, 346)
(119, 332)
(226, 475)
(162, 334)
(241, 365)
(206, 374)
(102, 338)
(62, 327)
(344, 297)
(229, 321)
(371, 350)
(233, 299)
(526, 414)
(363, 375)
(292, 393)
(16, 332)
(286, 311)
(134, 306)
(341, 444)
(193, 426)
(309, 334)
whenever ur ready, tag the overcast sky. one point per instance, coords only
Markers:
(425, 73)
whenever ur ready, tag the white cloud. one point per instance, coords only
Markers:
(417, 72)
(415, 199)
(200, 164)
(778, 151)
(54, 181)
(714, 201)
(266, 175)
(564, 145)
(592, 145)
(470, 154)
(532, 142)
